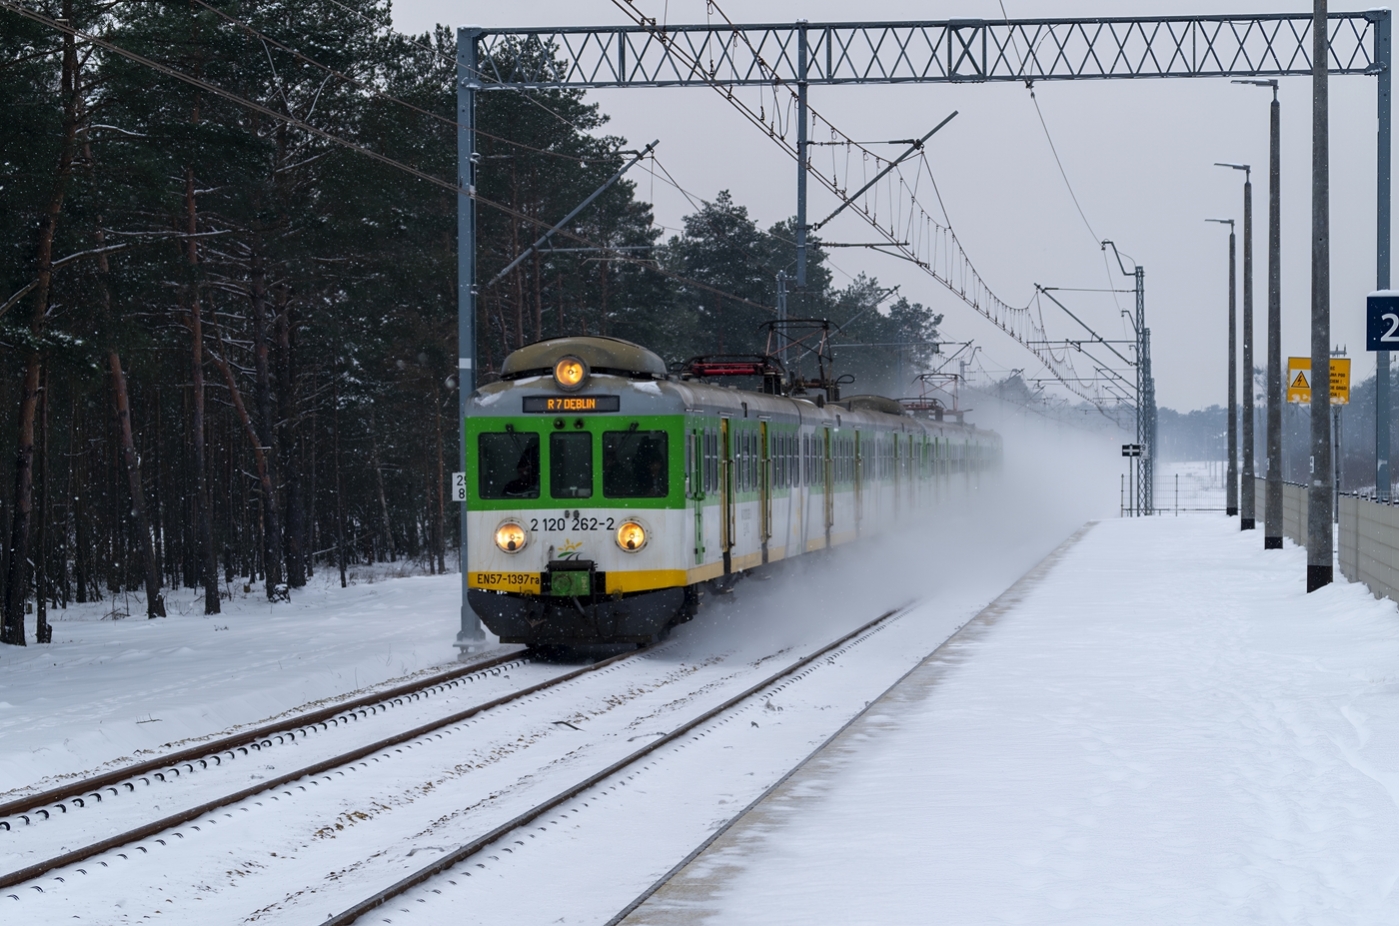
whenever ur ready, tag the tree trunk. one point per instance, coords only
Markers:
(17, 577)
(208, 558)
(43, 633)
(155, 604)
(312, 524)
(291, 473)
(82, 533)
(339, 494)
(379, 484)
(262, 396)
(264, 472)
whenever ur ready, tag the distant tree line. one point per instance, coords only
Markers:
(1202, 434)
(228, 344)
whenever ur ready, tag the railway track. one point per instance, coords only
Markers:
(91, 787)
(167, 830)
(465, 851)
(78, 792)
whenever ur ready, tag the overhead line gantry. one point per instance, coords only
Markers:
(960, 51)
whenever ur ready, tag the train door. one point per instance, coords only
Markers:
(896, 474)
(764, 488)
(726, 493)
(828, 482)
(697, 460)
(858, 467)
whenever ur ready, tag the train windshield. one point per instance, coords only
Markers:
(571, 465)
(635, 464)
(509, 465)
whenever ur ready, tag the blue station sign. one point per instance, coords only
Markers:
(1382, 320)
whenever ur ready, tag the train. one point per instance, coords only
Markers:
(607, 494)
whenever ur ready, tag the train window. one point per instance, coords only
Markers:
(740, 477)
(752, 460)
(509, 464)
(713, 460)
(747, 462)
(743, 484)
(571, 464)
(716, 461)
(749, 442)
(635, 464)
(704, 460)
(691, 470)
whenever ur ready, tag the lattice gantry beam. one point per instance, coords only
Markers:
(1273, 45)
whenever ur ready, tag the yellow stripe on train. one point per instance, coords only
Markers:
(642, 580)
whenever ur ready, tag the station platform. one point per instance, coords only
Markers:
(1158, 725)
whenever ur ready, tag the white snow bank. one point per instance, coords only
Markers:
(1168, 729)
(105, 689)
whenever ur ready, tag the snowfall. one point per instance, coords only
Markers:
(1154, 724)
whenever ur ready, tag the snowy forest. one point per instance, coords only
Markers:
(228, 340)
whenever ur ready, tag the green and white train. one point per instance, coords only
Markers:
(605, 495)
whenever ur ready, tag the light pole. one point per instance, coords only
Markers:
(1231, 487)
(1246, 507)
(1272, 502)
(1319, 545)
(472, 635)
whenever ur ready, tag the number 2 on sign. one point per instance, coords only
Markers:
(1391, 335)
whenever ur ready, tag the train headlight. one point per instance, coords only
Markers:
(631, 536)
(511, 537)
(570, 374)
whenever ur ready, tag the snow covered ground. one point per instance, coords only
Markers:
(106, 689)
(1166, 730)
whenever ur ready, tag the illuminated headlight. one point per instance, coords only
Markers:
(570, 374)
(511, 537)
(631, 536)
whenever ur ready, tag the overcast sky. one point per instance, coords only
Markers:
(1139, 155)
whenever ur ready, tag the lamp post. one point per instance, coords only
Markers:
(1231, 487)
(1320, 551)
(1272, 502)
(1246, 506)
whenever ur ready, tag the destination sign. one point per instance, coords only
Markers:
(572, 404)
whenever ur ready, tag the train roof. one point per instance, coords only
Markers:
(639, 380)
(602, 355)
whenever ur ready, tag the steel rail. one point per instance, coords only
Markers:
(465, 851)
(150, 829)
(33, 802)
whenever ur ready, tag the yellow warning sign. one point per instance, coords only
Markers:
(1299, 388)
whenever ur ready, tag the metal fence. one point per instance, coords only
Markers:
(1367, 537)
(1368, 544)
(1294, 508)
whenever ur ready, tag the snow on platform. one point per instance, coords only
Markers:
(1164, 728)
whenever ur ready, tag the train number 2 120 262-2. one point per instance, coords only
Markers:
(572, 524)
